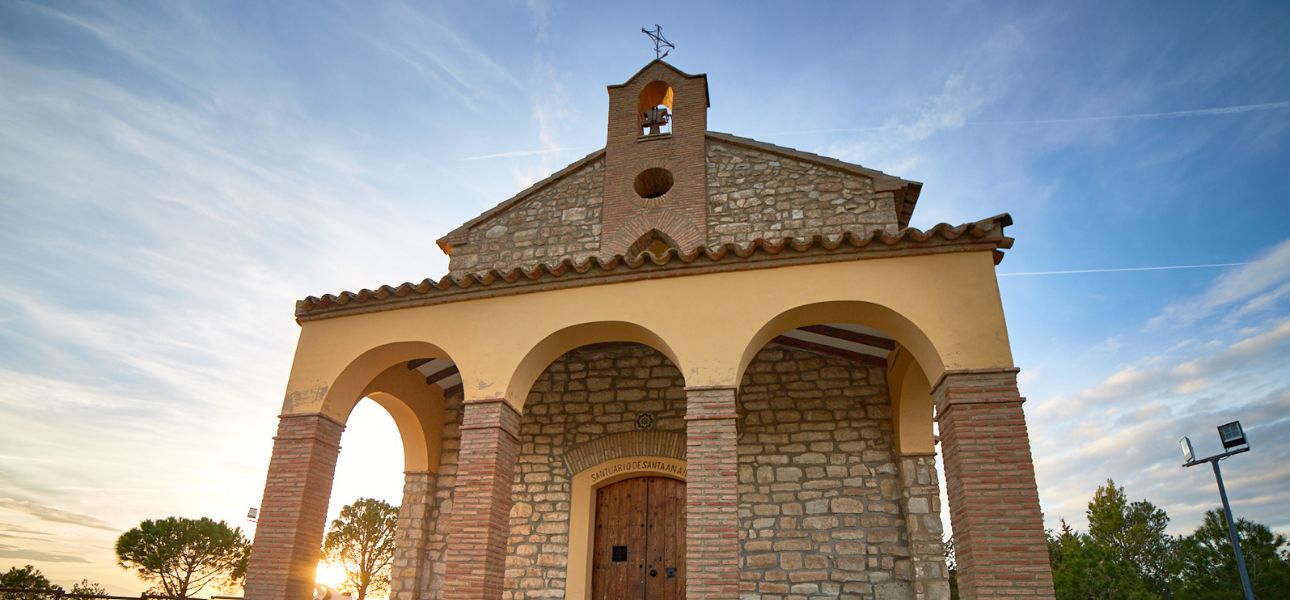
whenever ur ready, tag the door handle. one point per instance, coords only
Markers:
(653, 572)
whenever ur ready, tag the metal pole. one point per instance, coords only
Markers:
(1231, 532)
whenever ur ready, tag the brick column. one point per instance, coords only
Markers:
(480, 521)
(999, 538)
(410, 564)
(293, 513)
(920, 502)
(711, 495)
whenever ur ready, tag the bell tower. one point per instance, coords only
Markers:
(655, 165)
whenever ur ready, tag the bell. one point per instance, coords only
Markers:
(656, 117)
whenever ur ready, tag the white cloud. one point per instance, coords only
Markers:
(1249, 289)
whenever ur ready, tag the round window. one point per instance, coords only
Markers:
(652, 183)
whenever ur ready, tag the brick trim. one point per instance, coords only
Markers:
(622, 445)
(293, 511)
(710, 403)
(712, 498)
(976, 386)
(480, 519)
(999, 536)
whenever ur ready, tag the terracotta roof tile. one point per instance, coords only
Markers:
(986, 234)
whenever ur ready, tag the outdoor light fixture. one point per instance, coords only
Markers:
(252, 513)
(1231, 434)
(1233, 437)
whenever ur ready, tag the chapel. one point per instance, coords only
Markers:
(688, 365)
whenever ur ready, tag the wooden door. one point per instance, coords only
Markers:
(639, 550)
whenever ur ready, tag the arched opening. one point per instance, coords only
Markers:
(410, 408)
(654, 108)
(655, 242)
(820, 444)
(544, 353)
(605, 400)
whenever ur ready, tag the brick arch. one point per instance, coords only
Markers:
(670, 444)
(683, 231)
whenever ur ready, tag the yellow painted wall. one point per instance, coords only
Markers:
(943, 308)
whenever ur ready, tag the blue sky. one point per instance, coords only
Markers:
(173, 176)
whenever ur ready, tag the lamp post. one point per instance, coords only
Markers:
(1233, 437)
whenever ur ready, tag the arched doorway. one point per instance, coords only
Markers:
(639, 548)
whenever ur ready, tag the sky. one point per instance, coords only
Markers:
(173, 176)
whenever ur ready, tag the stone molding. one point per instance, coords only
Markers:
(584, 456)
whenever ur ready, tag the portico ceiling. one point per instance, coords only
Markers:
(852, 342)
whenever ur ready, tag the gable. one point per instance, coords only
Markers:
(558, 217)
(762, 191)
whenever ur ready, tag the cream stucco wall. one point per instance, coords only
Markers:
(943, 308)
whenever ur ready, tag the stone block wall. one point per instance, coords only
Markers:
(755, 194)
(820, 491)
(559, 221)
(588, 393)
(439, 507)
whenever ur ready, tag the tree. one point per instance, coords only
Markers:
(1135, 533)
(89, 588)
(181, 556)
(26, 578)
(362, 541)
(1088, 570)
(1206, 565)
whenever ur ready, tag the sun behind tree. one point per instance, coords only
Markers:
(362, 541)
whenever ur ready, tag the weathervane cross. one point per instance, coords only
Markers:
(661, 46)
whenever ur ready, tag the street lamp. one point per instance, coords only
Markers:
(1233, 437)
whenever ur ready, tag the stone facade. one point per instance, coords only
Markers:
(825, 509)
(561, 220)
(753, 194)
(819, 484)
(440, 508)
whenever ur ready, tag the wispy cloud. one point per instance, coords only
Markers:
(933, 120)
(526, 153)
(24, 554)
(1121, 270)
(55, 515)
(1246, 290)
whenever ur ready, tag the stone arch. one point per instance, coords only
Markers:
(614, 446)
(684, 234)
(559, 342)
(655, 242)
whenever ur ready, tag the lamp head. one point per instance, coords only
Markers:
(1232, 435)
(1188, 453)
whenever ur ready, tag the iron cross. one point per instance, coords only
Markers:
(661, 45)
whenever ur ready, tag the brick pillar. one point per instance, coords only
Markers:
(480, 521)
(293, 513)
(920, 502)
(711, 495)
(999, 538)
(410, 567)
